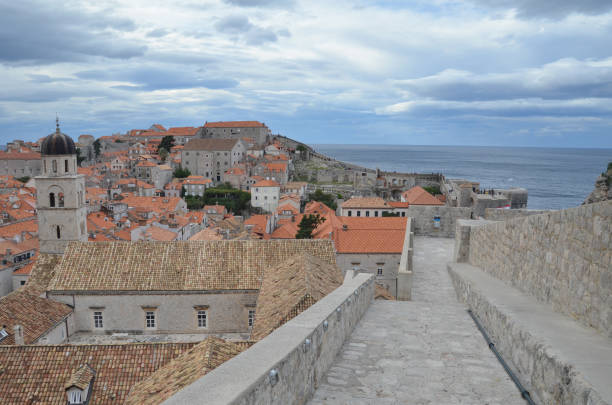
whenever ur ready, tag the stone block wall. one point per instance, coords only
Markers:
(423, 219)
(563, 258)
(299, 353)
(498, 214)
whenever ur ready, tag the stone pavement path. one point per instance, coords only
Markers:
(426, 351)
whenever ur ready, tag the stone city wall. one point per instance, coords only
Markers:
(424, 224)
(287, 366)
(562, 258)
(500, 214)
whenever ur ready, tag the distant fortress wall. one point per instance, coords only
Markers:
(562, 258)
(500, 214)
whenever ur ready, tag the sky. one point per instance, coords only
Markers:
(422, 72)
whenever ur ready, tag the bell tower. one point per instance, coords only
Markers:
(60, 195)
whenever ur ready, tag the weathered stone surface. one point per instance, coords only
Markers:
(557, 359)
(426, 351)
(563, 258)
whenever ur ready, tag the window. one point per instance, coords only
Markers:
(22, 282)
(350, 213)
(150, 319)
(98, 322)
(358, 213)
(375, 213)
(251, 317)
(367, 213)
(74, 397)
(57, 230)
(202, 319)
(66, 165)
(379, 271)
(45, 165)
(51, 200)
(60, 200)
(54, 165)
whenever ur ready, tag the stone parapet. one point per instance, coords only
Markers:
(500, 214)
(287, 365)
(558, 360)
(563, 258)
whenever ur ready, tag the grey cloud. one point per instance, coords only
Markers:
(157, 78)
(33, 32)
(233, 24)
(158, 33)
(563, 79)
(260, 3)
(48, 79)
(552, 9)
(241, 27)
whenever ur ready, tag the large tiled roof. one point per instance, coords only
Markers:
(42, 272)
(234, 124)
(419, 196)
(365, 202)
(36, 315)
(210, 144)
(184, 370)
(266, 183)
(370, 235)
(177, 265)
(290, 288)
(39, 374)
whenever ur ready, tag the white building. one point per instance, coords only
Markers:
(265, 195)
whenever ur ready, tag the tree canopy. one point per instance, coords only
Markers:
(181, 173)
(167, 143)
(307, 225)
(325, 198)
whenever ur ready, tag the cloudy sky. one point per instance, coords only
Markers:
(449, 72)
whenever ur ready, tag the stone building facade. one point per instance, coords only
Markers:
(60, 195)
(256, 130)
(265, 194)
(19, 164)
(211, 158)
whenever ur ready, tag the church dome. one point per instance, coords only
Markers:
(58, 143)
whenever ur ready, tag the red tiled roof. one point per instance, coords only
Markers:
(399, 204)
(419, 196)
(266, 183)
(365, 202)
(370, 235)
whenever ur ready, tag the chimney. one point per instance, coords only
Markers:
(344, 227)
(18, 335)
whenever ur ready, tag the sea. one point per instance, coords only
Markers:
(556, 178)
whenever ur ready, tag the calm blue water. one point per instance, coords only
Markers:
(556, 178)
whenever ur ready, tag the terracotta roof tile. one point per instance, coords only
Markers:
(419, 196)
(365, 202)
(38, 374)
(370, 235)
(177, 265)
(266, 183)
(36, 315)
(290, 288)
(184, 370)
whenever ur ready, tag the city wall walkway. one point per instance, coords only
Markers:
(425, 351)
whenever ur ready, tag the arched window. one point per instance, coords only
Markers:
(66, 165)
(60, 199)
(54, 165)
(51, 200)
(57, 230)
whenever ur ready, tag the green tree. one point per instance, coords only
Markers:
(163, 154)
(80, 157)
(97, 147)
(23, 179)
(432, 189)
(181, 173)
(307, 225)
(390, 214)
(301, 148)
(167, 143)
(325, 198)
